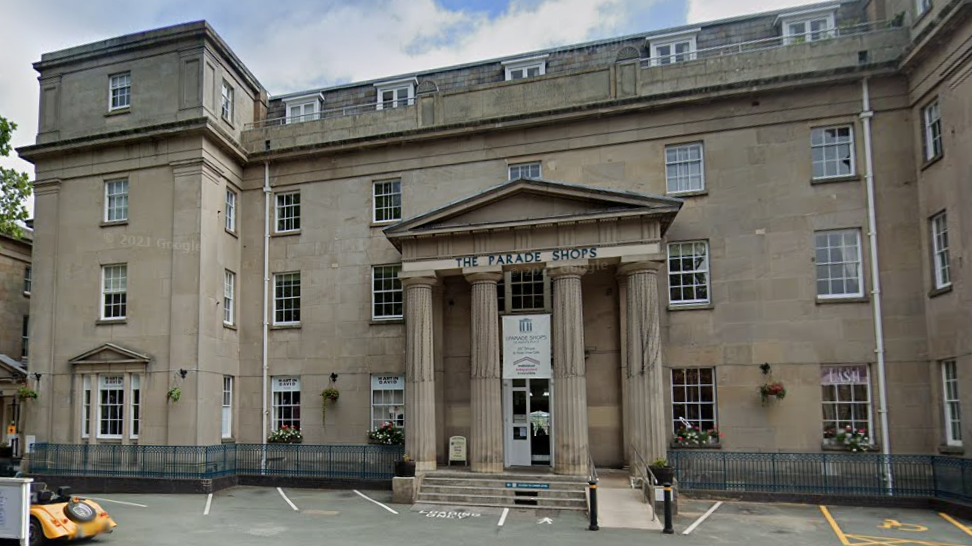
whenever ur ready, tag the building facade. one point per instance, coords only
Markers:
(15, 290)
(563, 256)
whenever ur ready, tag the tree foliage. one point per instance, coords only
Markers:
(14, 187)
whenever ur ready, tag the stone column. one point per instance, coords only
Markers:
(571, 449)
(646, 430)
(419, 371)
(486, 441)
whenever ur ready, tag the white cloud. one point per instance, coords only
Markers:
(700, 11)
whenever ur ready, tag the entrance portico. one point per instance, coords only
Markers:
(526, 246)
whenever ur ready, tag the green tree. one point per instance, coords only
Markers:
(14, 187)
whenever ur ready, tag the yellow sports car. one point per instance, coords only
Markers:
(61, 516)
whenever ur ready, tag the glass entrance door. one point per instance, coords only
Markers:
(527, 422)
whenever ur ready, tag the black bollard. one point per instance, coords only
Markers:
(592, 495)
(668, 530)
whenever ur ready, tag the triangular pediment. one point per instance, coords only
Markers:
(109, 353)
(533, 201)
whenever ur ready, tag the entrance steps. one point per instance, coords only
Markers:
(507, 490)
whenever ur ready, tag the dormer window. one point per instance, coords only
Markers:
(808, 26)
(526, 67)
(304, 108)
(673, 48)
(396, 93)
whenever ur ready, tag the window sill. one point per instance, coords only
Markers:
(109, 322)
(384, 224)
(681, 194)
(119, 111)
(707, 446)
(379, 322)
(835, 179)
(227, 122)
(691, 307)
(841, 447)
(228, 440)
(921, 17)
(114, 223)
(26, 294)
(935, 292)
(285, 326)
(951, 450)
(932, 161)
(285, 233)
(233, 233)
(855, 299)
(229, 326)
(110, 440)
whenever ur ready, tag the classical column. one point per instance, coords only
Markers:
(486, 441)
(571, 451)
(646, 402)
(419, 372)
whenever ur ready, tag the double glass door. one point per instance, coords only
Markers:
(527, 424)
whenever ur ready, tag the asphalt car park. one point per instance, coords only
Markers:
(248, 516)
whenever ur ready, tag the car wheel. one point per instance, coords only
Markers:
(35, 533)
(79, 512)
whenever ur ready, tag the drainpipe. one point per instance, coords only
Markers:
(266, 295)
(866, 116)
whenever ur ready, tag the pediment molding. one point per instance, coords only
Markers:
(109, 353)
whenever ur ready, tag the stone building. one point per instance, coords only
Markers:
(15, 290)
(560, 255)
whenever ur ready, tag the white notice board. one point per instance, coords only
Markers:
(14, 508)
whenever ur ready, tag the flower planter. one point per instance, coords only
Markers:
(405, 469)
(663, 475)
(298, 441)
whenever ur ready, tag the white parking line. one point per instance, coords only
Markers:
(209, 503)
(284, 495)
(117, 502)
(366, 497)
(503, 517)
(702, 518)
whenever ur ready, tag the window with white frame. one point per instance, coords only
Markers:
(670, 51)
(136, 405)
(28, 281)
(230, 210)
(226, 415)
(288, 212)
(940, 258)
(932, 119)
(387, 400)
(832, 151)
(839, 269)
(525, 170)
(684, 168)
(387, 294)
(395, 94)
(286, 298)
(86, 406)
(286, 402)
(306, 110)
(387, 201)
(229, 300)
(114, 291)
(119, 91)
(226, 101)
(694, 398)
(116, 200)
(808, 28)
(688, 273)
(846, 397)
(529, 67)
(25, 338)
(922, 6)
(111, 405)
(950, 397)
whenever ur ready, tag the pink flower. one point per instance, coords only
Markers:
(680, 439)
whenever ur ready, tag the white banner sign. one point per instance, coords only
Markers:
(526, 346)
(387, 382)
(286, 384)
(843, 375)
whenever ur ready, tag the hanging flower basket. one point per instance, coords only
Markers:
(329, 394)
(772, 390)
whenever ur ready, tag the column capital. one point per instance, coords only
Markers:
(630, 268)
(484, 277)
(418, 278)
(572, 268)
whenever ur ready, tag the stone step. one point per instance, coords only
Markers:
(508, 477)
(464, 499)
(468, 481)
(489, 505)
(504, 491)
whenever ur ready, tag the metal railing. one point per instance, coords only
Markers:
(344, 111)
(769, 43)
(646, 480)
(366, 462)
(591, 469)
(863, 474)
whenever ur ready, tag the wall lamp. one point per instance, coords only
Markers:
(37, 376)
(334, 377)
(183, 372)
(765, 368)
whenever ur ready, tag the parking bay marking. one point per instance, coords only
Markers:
(502, 519)
(450, 515)
(117, 502)
(702, 518)
(209, 504)
(866, 540)
(284, 495)
(367, 498)
(951, 520)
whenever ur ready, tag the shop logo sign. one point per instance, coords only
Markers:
(526, 325)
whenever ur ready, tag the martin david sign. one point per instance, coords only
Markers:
(526, 346)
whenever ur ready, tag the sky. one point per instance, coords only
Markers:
(306, 44)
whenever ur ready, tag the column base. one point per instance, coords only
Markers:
(487, 468)
(425, 466)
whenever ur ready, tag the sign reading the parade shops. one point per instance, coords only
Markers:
(526, 346)
(532, 257)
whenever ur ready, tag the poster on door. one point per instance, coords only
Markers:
(526, 346)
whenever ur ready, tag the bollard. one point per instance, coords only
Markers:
(592, 495)
(668, 510)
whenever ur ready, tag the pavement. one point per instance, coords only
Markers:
(251, 516)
